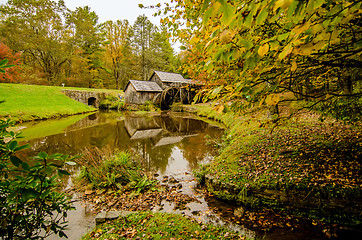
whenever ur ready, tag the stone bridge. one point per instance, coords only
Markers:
(87, 97)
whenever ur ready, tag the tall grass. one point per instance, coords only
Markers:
(103, 169)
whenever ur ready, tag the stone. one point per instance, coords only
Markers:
(239, 212)
(101, 217)
(105, 216)
(165, 178)
(88, 192)
(172, 179)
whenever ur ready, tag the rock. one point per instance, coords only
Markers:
(172, 180)
(88, 192)
(101, 217)
(239, 212)
(165, 178)
(104, 216)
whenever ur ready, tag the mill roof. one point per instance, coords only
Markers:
(171, 77)
(145, 86)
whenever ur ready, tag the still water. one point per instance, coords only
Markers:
(171, 144)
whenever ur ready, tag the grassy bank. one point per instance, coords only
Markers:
(302, 164)
(148, 225)
(115, 180)
(31, 102)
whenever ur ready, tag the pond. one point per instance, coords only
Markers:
(171, 145)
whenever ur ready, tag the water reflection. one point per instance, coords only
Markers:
(168, 143)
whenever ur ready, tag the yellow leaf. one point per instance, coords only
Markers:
(272, 99)
(284, 4)
(274, 45)
(317, 28)
(226, 36)
(261, 102)
(220, 109)
(263, 50)
(301, 29)
(194, 40)
(286, 51)
(294, 66)
(306, 49)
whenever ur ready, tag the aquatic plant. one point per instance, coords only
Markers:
(103, 169)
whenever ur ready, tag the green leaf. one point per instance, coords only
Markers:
(3, 62)
(228, 14)
(43, 155)
(291, 9)
(205, 5)
(246, 43)
(15, 160)
(29, 194)
(25, 166)
(22, 147)
(63, 172)
(248, 20)
(55, 156)
(283, 36)
(262, 16)
(12, 145)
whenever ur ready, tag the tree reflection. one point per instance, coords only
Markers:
(153, 138)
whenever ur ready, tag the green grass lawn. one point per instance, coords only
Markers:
(30, 102)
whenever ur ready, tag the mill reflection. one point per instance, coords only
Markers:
(167, 143)
(170, 141)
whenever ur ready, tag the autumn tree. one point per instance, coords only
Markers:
(118, 51)
(36, 29)
(251, 52)
(143, 30)
(164, 57)
(86, 42)
(153, 48)
(11, 75)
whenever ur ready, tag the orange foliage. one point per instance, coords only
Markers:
(12, 74)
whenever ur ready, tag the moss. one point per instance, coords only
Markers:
(307, 159)
(141, 225)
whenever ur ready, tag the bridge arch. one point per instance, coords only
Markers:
(92, 101)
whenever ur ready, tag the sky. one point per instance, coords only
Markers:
(116, 9)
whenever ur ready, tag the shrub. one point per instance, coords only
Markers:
(148, 106)
(177, 107)
(119, 171)
(30, 206)
(112, 102)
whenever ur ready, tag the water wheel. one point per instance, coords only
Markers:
(169, 96)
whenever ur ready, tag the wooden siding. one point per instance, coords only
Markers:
(131, 96)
